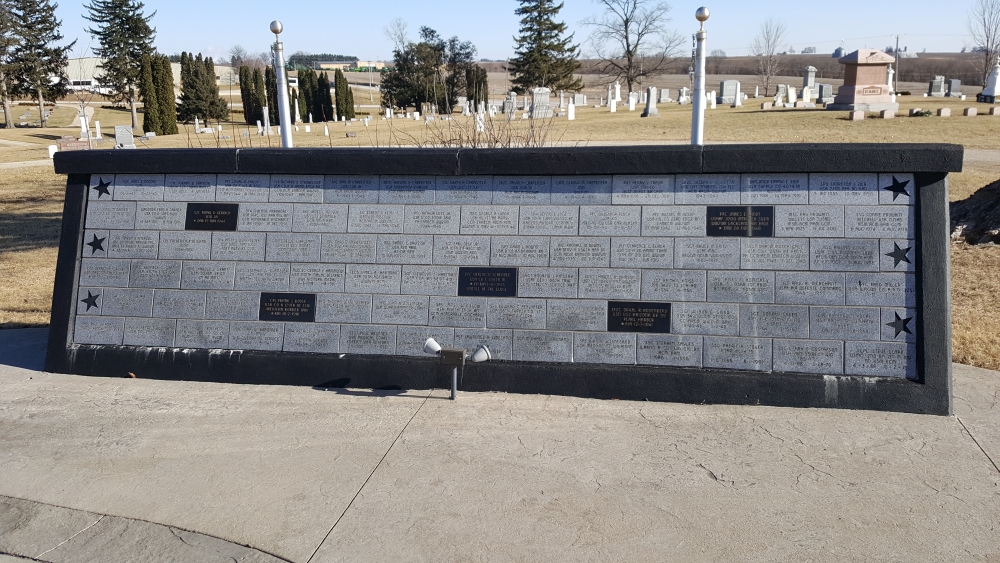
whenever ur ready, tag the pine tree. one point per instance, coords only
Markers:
(218, 109)
(163, 77)
(323, 101)
(544, 57)
(271, 83)
(37, 58)
(349, 109)
(303, 108)
(199, 91)
(148, 95)
(345, 98)
(246, 89)
(7, 40)
(259, 96)
(124, 36)
(307, 94)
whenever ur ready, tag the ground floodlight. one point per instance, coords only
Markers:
(481, 354)
(432, 347)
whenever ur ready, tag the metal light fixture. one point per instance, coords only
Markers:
(456, 358)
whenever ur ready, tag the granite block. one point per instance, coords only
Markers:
(316, 278)
(897, 189)
(609, 284)
(89, 301)
(515, 313)
(149, 332)
(519, 251)
(405, 249)
(432, 219)
(809, 288)
(292, 247)
(707, 189)
(642, 190)
(119, 302)
(318, 338)
(776, 189)
(774, 321)
(774, 254)
(160, 216)
(202, 334)
(464, 312)
(549, 220)
(410, 339)
(179, 304)
(717, 319)
(139, 187)
(576, 314)
(542, 346)
(880, 221)
(232, 305)
(848, 255)
(741, 287)
(456, 250)
(669, 350)
(164, 274)
(350, 189)
(673, 285)
(189, 187)
(406, 189)
(96, 272)
(255, 335)
(185, 245)
(522, 190)
(604, 348)
(547, 282)
(673, 221)
(896, 255)
(581, 190)
(319, 218)
(367, 339)
(809, 221)
(884, 290)
(133, 244)
(580, 252)
(899, 325)
(497, 340)
(99, 330)
(110, 215)
(737, 353)
(489, 220)
(357, 249)
(885, 359)
(343, 308)
(399, 309)
(844, 323)
(809, 356)
(430, 280)
(95, 244)
(242, 188)
(703, 253)
(371, 278)
(364, 218)
(296, 188)
(608, 220)
(262, 276)
(642, 252)
(464, 190)
(238, 246)
(843, 189)
(102, 187)
(265, 217)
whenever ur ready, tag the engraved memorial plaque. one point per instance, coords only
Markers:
(232, 305)
(642, 252)
(185, 245)
(430, 280)
(887, 359)
(164, 274)
(809, 221)
(367, 339)
(141, 187)
(350, 189)
(581, 190)
(466, 190)
(489, 220)
(406, 189)
(351, 249)
(549, 220)
(404, 249)
(149, 332)
(159, 216)
(673, 221)
(111, 215)
(849, 255)
(809, 288)
(740, 221)
(262, 276)
(265, 217)
(288, 307)
(106, 273)
(344, 308)
(843, 189)
(608, 220)
(775, 189)
(844, 323)
(399, 309)
(127, 302)
(522, 190)
(738, 353)
(642, 190)
(741, 287)
(515, 313)
(242, 187)
(372, 278)
(638, 316)
(809, 356)
(497, 339)
(547, 282)
(292, 247)
(774, 254)
(457, 312)
(603, 348)
(99, 330)
(202, 334)
(487, 282)
(609, 284)
(375, 219)
(133, 244)
(189, 187)
(880, 221)
(454, 250)
(774, 321)
(410, 339)
(519, 251)
(302, 188)
(432, 219)
(208, 275)
(542, 346)
(321, 338)
(577, 252)
(179, 304)
(669, 350)
(316, 277)
(885, 290)
(705, 318)
(576, 314)
(673, 285)
(707, 189)
(319, 218)
(211, 216)
(698, 253)
(255, 335)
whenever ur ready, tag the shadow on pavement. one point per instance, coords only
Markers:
(24, 348)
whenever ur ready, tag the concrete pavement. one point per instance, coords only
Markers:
(117, 469)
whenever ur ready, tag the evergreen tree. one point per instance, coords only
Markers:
(306, 94)
(324, 101)
(349, 109)
(345, 98)
(431, 71)
(124, 35)
(259, 96)
(303, 108)
(246, 90)
(163, 77)
(544, 57)
(148, 95)
(37, 59)
(7, 40)
(271, 83)
(199, 91)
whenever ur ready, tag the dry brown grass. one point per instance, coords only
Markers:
(975, 297)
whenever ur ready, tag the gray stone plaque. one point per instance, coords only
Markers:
(774, 254)
(127, 302)
(185, 245)
(897, 255)
(519, 251)
(843, 189)
(255, 335)
(609, 284)
(430, 280)
(497, 340)
(580, 252)
(302, 188)
(189, 187)
(406, 189)
(179, 304)
(357, 249)
(111, 215)
(432, 219)
(762, 189)
(99, 330)
(399, 309)
(707, 189)
(549, 220)
(859, 255)
(365, 278)
(542, 346)
(704, 253)
(489, 220)
(581, 190)
(410, 339)
(809, 221)
(238, 246)
(880, 221)
(319, 338)
(315, 278)
(141, 187)
(89, 301)
(809, 288)
(242, 187)
(465, 312)
(515, 313)
(208, 275)
(774, 321)
(262, 276)
(133, 244)
(455, 250)
(576, 314)
(720, 319)
(466, 190)
(102, 187)
(265, 217)
(741, 287)
(844, 323)
(202, 334)
(164, 274)
(521, 190)
(673, 221)
(669, 350)
(899, 325)
(608, 220)
(897, 189)
(160, 216)
(738, 353)
(642, 252)
(886, 359)
(884, 290)
(96, 272)
(604, 348)
(367, 339)
(642, 190)
(405, 249)
(809, 356)
(673, 285)
(350, 189)
(149, 332)
(386, 219)
(292, 247)
(95, 244)
(343, 308)
(232, 305)
(547, 282)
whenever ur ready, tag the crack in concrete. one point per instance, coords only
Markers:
(185, 542)
(69, 539)
(978, 444)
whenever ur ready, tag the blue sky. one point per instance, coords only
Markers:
(211, 26)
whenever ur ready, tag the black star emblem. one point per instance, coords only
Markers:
(899, 255)
(899, 325)
(91, 300)
(897, 188)
(96, 244)
(102, 188)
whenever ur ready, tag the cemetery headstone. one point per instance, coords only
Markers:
(632, 99)
(809, 77)
(936, 88)
(97, 131)
(738, 100)
(889, 73)
(825, 94)
(613, 105)
(618, 91)
(728, 91)
(571, 110)
(540, 107)
(579, 99)
(123, 137)
(650, 110)
(989, 93)
(954, 88)
(864, 86)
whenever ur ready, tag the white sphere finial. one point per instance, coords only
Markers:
(701, 14)
(276, 27)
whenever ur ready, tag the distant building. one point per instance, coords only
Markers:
(334, 65)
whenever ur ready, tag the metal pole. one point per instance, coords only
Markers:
(284, 115)
(454, 382)
(698, 105)
(895, 86)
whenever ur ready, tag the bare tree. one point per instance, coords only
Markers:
(631, 40)
(765, 47)
(984, 27)
(237, 56)
(396, 32)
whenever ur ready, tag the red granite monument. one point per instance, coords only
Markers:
(865, 87)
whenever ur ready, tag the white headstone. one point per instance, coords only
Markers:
(267, 120)
(480, 123)
(738, 102)
(260, 128)
(308, 129)
(197, 126)
(791, 95)
(53, 149)
(571, 110)
(97, 131)
(618, 91)
(756, 91)
(611, 93)
(326, 130)
(123, 137)
(991, 82)
(889, 72)
(631, 102)
(711, 100)
(613, 104)
(650, 110)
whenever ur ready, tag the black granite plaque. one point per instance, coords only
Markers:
(487, 282)
(288, 307)
(211, 216)
(740, 221)
(638, 316)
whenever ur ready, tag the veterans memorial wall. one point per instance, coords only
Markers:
(784, 276)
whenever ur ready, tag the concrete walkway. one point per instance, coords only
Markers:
(128, 469)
